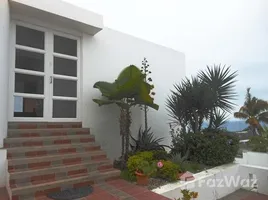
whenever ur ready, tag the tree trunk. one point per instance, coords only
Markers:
(196, 122)
(128, 124)
(122, 130)
(146, 117)
(122, 122)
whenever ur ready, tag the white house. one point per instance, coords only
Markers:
(51, 54)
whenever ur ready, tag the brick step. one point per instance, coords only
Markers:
(18, 133)
(58, 173)
(24, 164)
(49, 140)
(35, 125)
(39, 151)
(39, 190)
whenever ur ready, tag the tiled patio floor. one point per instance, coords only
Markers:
(245, 195)
(113, 190)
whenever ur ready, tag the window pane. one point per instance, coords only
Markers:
(65, 88)
(65, 46)
(26, 107)
(29, 84)
(65, 67)
(64, 109)
(30, 37)
(29, 60)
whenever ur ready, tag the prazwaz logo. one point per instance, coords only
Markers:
(226, 181)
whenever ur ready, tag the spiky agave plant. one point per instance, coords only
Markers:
(146, 141)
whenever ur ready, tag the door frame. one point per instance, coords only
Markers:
(48, 71)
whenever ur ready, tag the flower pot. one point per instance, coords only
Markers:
(179, 175)
(142, 179)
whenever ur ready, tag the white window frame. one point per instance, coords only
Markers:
(48, 71)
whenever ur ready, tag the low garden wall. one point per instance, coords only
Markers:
(220, 181)
(253, 158)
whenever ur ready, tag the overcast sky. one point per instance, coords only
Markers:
(231, 32)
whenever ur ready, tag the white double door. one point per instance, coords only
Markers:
(45, 73)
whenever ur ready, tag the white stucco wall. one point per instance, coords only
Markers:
(254, 158)
(104, 56)
(4, 47)
(208, 184)
(218, 182)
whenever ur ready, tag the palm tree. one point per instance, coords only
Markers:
(209, 96)
(254, 111)
(221, 81)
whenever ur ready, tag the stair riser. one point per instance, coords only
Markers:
(44, 133)
(44, 142)
(58, 174)
(41, 191)
(54, 162)
(36, 125)
(58, 151)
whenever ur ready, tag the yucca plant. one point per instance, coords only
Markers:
(146, 141)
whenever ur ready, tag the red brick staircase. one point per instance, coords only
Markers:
(50, 157)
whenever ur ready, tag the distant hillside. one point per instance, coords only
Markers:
(235, 126)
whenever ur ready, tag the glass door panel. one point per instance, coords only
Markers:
(29, 76)
(65, 80)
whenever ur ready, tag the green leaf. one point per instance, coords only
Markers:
(130, 84)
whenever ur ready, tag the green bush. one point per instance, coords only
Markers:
(258, 144)
(207, 148)
(135, 160)
(169, 171)
(160, 155)
(126, 175)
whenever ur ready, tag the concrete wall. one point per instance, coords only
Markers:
(258, 173)
(254, 158)
(4, 49)
(206, 183)
(104, 56)
(218, 182)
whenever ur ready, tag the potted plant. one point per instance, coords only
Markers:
(188, 195)
(144, 171)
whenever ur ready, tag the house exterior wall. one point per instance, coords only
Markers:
(4, 48)
(104, 56)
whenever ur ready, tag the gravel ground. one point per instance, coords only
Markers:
(155, 183)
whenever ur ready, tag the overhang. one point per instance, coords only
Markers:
(60, 13)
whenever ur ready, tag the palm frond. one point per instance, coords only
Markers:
(222, 84)
(240, 115)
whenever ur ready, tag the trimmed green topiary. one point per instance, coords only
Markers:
(169, 171)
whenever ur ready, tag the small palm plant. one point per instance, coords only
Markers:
(127, 91)
(254, 111)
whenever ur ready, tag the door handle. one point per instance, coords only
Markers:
(51, 79)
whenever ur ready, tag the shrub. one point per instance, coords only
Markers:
(258, 144)
(207, 148)
(147, 168)
(169, 171)
(146, 141)
(135, 160)
(160, 155)
(126, 175)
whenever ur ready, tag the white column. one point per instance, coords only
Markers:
(4, 65)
